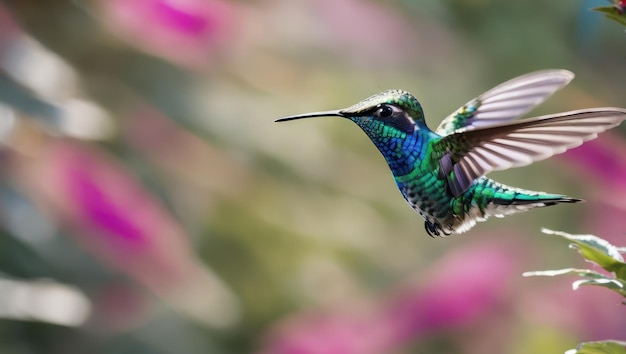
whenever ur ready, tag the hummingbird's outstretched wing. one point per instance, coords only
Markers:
(506, 101)
(466, 155)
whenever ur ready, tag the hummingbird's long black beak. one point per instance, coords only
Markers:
(335, 113)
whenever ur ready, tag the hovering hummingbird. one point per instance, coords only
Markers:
(441, 173)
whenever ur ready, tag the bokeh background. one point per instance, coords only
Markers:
(149, 204)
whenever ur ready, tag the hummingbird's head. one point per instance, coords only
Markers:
(389, 113)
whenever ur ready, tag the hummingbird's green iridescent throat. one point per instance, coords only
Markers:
(441, 173)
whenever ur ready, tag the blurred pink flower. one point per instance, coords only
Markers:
(117, 218)
(458, 290)
(188, 32)
(338, 332)
(606, 219)
(602, 160)
(108, 211)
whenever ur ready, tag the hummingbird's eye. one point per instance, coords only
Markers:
(393, 116)
(384, 111)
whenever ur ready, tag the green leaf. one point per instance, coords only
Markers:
(609, 283)
(550, 273)
(603, 347)
(611, 13)
(592, 278)
(596, 250)
(607, 10)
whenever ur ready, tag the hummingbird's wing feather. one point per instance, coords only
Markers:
(468, 154)
(506, 101)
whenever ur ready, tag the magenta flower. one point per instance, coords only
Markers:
(336, 332)
(124, 226)
(601, 160)
(97, 197)
(457, 291)
(190, 33)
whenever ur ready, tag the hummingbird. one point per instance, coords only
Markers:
(442, 173)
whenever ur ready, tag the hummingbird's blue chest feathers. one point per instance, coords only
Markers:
(403, 151)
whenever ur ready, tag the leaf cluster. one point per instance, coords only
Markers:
(605, 255)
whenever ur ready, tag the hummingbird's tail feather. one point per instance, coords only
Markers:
(525, 201)
(511, 200)
(490, 198)
(531, 198)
